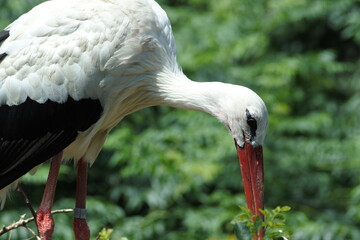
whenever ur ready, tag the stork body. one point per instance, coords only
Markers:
(71, 70)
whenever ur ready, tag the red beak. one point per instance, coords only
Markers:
(252, 171)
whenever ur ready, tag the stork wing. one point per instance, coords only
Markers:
(31, 132)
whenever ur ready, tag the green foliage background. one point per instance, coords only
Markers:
(173, 174)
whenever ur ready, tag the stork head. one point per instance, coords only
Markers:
(245, 115)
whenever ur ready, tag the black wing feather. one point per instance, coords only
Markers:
(3, 35)
(31, 133)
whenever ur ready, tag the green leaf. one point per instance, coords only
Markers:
(258, 224)
(278, 225)
(104, 234)
(285, 209)
(279, 216)
(241, 217)
(242, 232)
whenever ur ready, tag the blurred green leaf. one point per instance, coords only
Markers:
(104, 234)
(242, 232)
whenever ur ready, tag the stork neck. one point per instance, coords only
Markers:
(180, 92)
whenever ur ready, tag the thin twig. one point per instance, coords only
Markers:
(26, 199)
(32, 232)
(28, 203)
(23, 222)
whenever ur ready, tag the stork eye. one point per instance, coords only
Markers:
(253, 125)
(251, 121)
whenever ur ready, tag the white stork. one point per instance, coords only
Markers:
(71, 70)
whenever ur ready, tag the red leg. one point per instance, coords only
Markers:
(81, 228)
(44, 219)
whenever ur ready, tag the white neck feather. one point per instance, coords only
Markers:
(180, 92)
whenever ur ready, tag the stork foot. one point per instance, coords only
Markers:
(81, 229)
(44, 220)
(45, 224)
